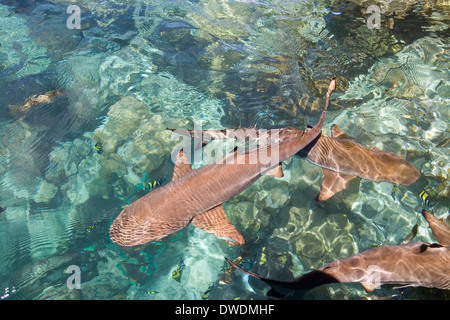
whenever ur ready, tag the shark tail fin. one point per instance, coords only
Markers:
(315, 131)
(330, 89)
(307, 281)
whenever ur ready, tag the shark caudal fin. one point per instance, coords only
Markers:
(440, 229)
(315, 131)
(213, 221)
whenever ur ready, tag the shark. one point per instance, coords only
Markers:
(341, 159)
(416, 264)
(196, 196)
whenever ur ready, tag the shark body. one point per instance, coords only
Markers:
(341, 158)
(196, 195)
(413, 264)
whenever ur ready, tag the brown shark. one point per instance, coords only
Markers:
(196, 195)
(414, 264)
(341, 159)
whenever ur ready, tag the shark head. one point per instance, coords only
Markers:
(137, 224)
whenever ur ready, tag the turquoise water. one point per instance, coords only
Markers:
(137, 67)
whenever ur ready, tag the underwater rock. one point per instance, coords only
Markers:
(274, 192)
(123, 118)
(110, 282)
(65, 159)
(77, 192)
(138, 137)
(241, 214)
(113, 164)
(19, 140)
(55, 171)
(274, 260)
(310, 245)
(45, 192)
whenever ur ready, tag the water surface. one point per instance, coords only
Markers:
(137, 67)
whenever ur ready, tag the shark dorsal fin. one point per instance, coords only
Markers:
(213, 221)
(337, 133)
(332, 183)
(182, 166)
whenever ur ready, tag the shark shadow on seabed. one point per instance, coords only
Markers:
(416, 264)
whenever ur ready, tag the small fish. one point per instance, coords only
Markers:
(155, 183)
(444, 143)
(99, 147)
(177, 273)
(426, 199)
(152, 292)
(394, 190)
(170, 25)
(412, 234)
(207, 293)
(2, 209)
(89, 248)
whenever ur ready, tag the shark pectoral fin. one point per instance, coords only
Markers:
(215, 221)
(370, 286)
(337, 133)
(332, 183)
(182, 166)
(275, 172)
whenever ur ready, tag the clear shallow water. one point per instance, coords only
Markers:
(137, 67)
